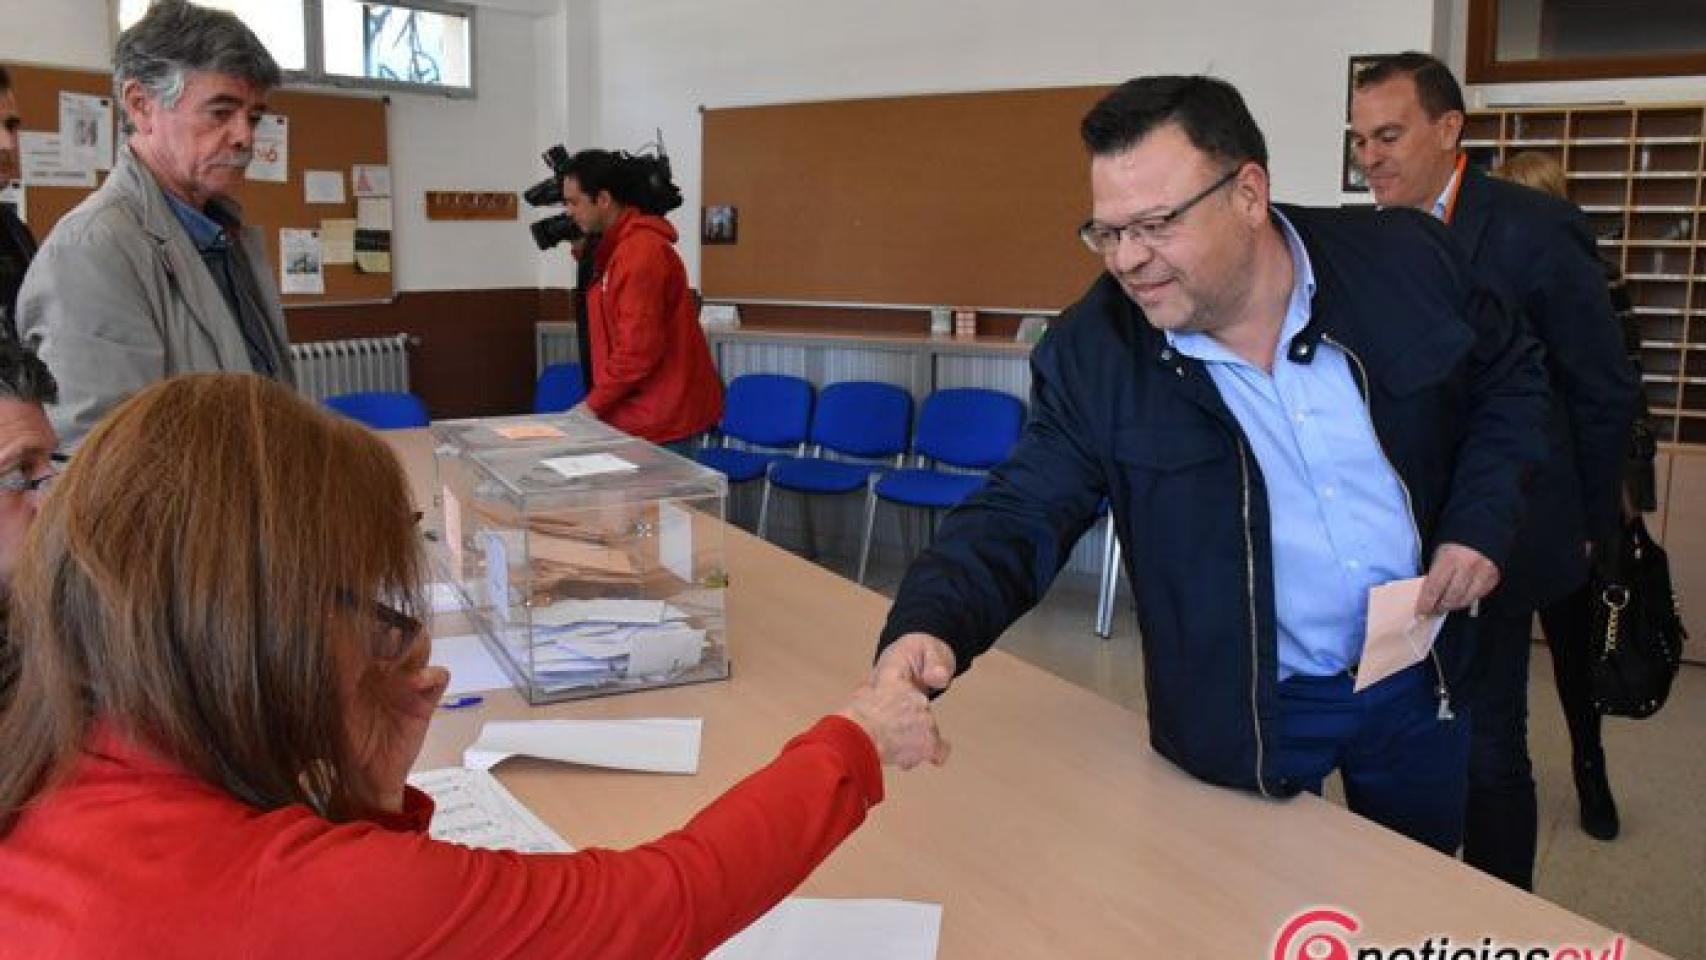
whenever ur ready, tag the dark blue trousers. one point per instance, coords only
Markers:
(1403, 767)
(1503, 813)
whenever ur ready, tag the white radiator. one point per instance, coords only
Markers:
(325, 368)
(554, 342)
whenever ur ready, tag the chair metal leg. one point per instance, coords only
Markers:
(811, 528)
(764, 511)
(1110, 582)
(870, 525)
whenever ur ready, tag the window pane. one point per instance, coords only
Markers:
(384, 41)
(279, 24)
(1568, 29)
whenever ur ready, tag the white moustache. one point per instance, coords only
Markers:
(240, 160)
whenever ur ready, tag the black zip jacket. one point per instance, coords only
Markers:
(1457, 394)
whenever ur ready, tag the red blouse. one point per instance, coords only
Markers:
(131, 856)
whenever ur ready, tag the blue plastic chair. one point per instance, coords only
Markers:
(382, 409)
(968, 428)
(761, 410)
(858, 419)
(560, 387)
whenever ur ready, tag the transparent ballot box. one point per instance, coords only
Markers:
(589, 561)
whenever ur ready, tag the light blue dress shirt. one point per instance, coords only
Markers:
(1338, 514)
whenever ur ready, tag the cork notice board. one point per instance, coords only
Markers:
(969, 199)
(327, 132)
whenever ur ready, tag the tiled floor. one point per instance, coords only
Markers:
(1649, 883)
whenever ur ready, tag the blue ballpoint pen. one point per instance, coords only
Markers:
(453, 703)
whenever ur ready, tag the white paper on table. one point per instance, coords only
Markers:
(1397, 638)
(472, 808)
(271, 160)
(370, 180)
(472, 669)
(299, 262)
(13, 193)
(85, 131)
(839, 930)
(373, 213)
(325, 186)
(588, 465)
(337, 241)
(650, 744)
(42, 166)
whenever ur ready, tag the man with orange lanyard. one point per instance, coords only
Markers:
(1407, 116)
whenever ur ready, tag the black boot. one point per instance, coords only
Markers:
(1599, 811)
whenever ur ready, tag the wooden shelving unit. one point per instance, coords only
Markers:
(1639, 173)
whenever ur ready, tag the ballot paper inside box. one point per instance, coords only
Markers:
(589, 561)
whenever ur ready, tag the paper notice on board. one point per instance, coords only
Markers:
(300, 262)
(373, 213)
(323, 186)
(372, 251)
(85, 131)
(42, 165)
(370, 180)
(337, 241)
(272, 149)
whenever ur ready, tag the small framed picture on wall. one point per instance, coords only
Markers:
(719, 224)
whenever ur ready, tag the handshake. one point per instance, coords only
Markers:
(893, 707)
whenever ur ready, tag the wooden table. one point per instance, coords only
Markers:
(1054, 830)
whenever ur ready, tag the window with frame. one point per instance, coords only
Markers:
(1517, 40)
(382, 44)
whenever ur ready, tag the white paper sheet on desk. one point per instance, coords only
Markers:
(472, 808)
(839, 930)
(588, 465)
(650, 744)
(471, 666)
(1396, 637)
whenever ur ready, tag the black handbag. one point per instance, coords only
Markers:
(1637, 627)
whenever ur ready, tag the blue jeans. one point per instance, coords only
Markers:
(1403, 767)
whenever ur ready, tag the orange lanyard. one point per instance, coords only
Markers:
(1456, 187)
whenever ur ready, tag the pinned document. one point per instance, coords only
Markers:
(270, 159)
(1397, 638)
(649, 744)
(85, 131)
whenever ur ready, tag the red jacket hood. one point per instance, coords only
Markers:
(633, 223)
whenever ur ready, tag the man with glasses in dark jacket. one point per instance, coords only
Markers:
(1285, 407)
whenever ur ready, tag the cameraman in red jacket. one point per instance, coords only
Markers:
(651, 369)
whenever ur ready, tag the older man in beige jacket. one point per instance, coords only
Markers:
(154, 274)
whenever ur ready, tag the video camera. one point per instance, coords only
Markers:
(644, 181)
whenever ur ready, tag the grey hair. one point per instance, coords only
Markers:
(23, 376)
(175, 38)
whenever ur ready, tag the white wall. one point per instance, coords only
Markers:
(491, 143)
(487, 143)
(659, 60)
